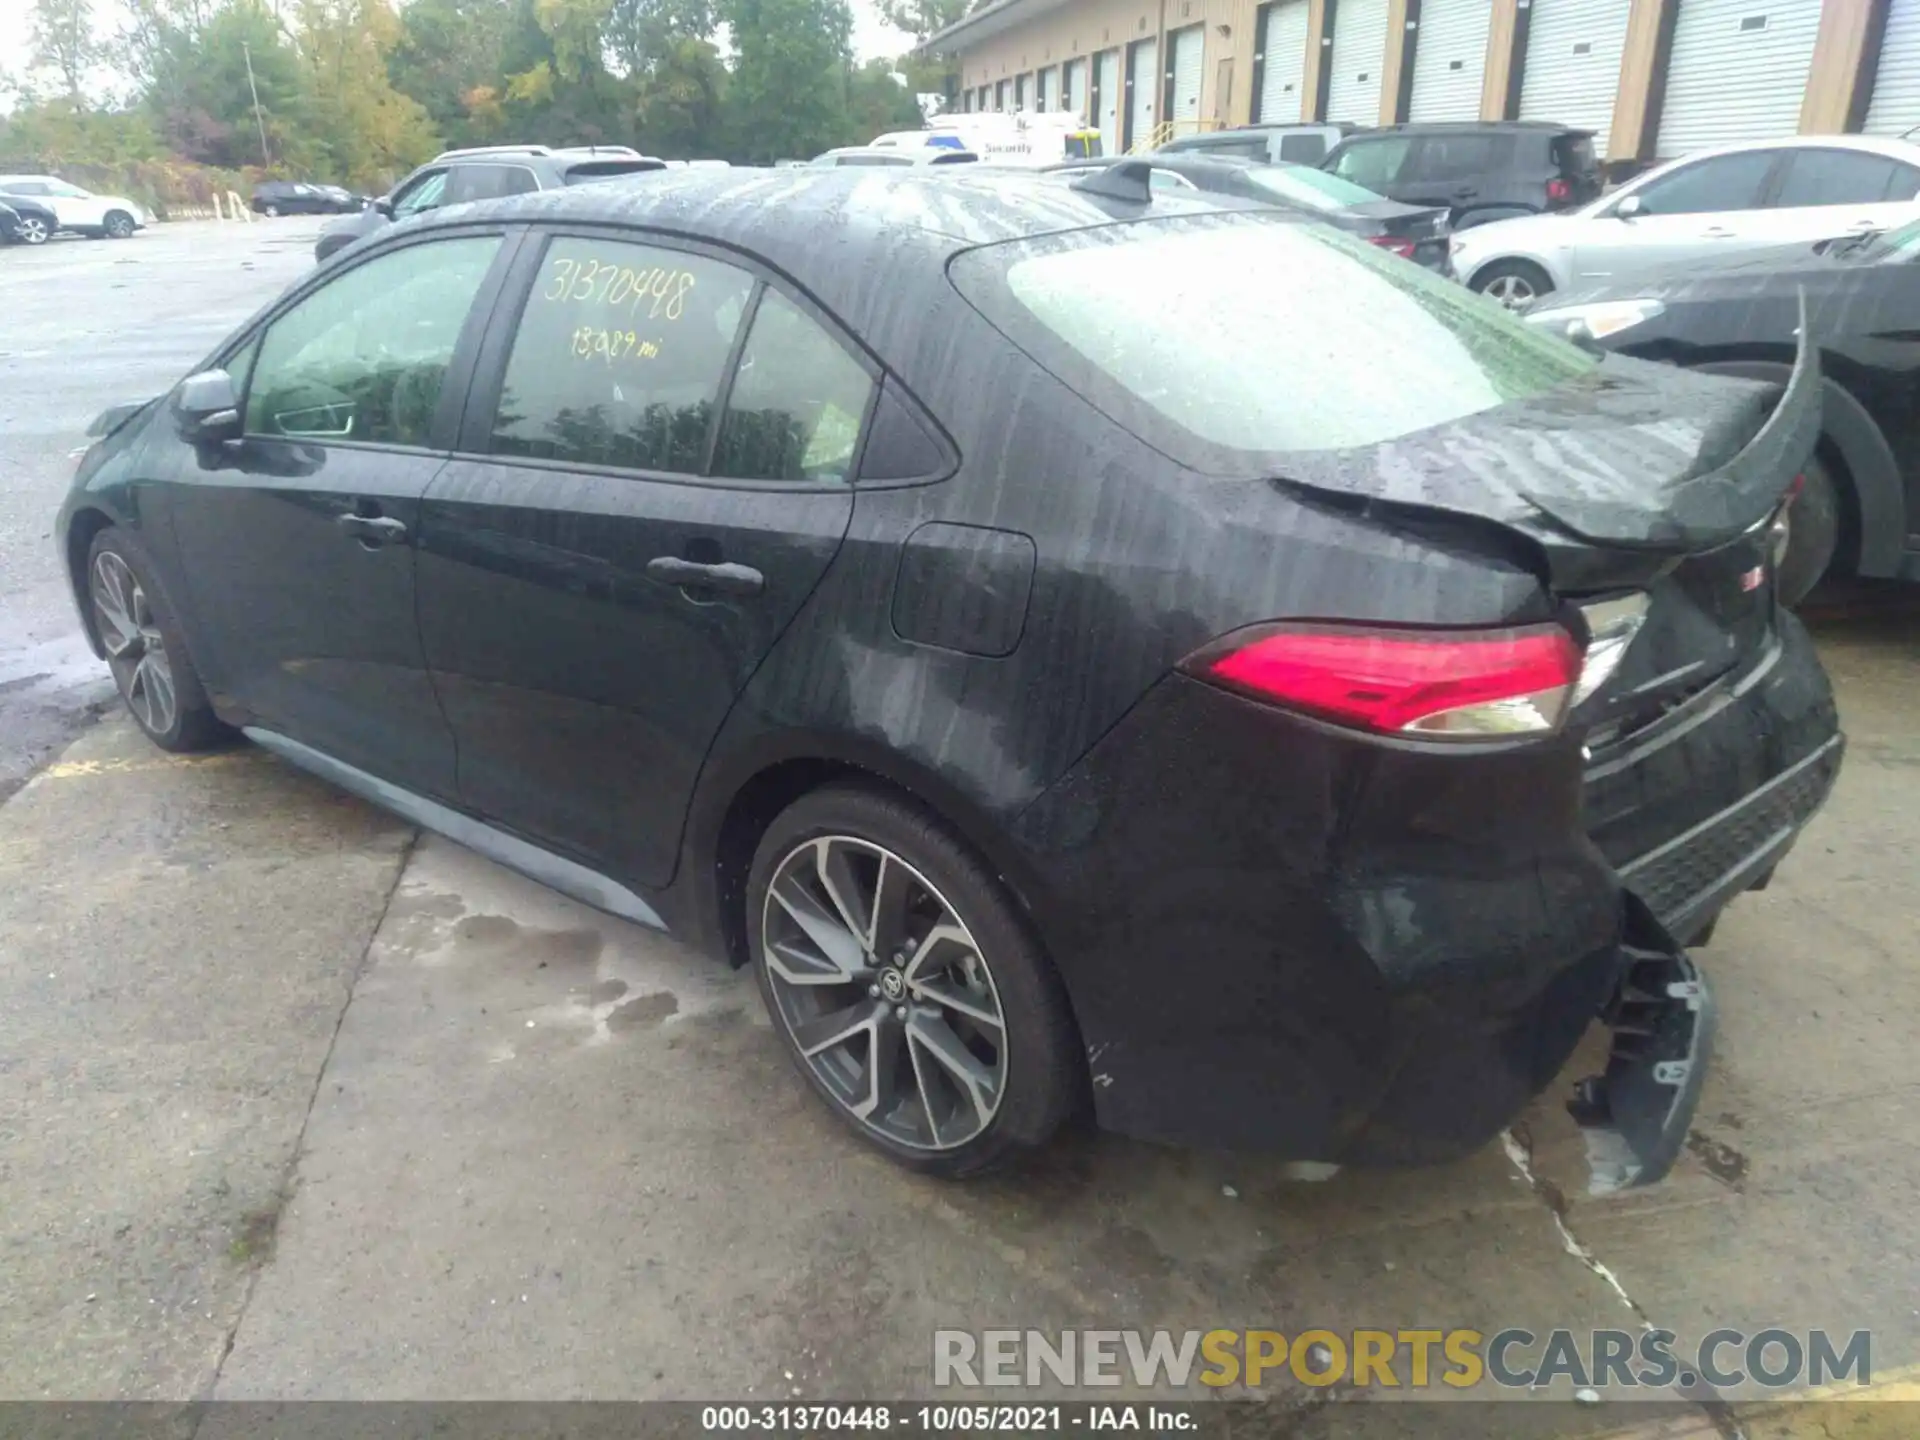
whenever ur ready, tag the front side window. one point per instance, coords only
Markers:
(364, 356)
(1247, 336)
(423, 194)
(1375, 164)
(797, 401)
(1844, 177)
(1726, 182)
(619, 357)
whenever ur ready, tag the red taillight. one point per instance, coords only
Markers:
(1397, 244)
(1559, 190)
(1441, 684)
(1793, 491)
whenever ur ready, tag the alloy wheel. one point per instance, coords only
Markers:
(33, 231)
(118, 227)
(884, 992)
(1512, 291)
(136, 651)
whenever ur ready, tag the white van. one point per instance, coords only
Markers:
(1026, 137)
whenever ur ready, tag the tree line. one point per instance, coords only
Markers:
(359, 91)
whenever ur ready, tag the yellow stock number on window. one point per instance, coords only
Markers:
(656, 292)
(592, 343)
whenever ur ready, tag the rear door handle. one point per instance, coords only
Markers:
(728, 579)
(374, 529)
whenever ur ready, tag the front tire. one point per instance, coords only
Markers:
(145, 652)
(1804, 553)
(272, 212)
(906, 987)
(1516, 284)
(118, 225)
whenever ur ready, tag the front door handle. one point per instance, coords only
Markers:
(728, 579)
(374, 529)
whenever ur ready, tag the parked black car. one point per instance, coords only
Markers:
(1858, 511)
(1303, 144)
(26, 222)
(484, 174)
(1413, 232)
(1481, 170)
(1053, 688)
(295, 197)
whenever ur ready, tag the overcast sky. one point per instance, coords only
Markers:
(872, 36)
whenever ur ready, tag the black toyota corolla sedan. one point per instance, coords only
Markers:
(1858, 512)
(1078, 645)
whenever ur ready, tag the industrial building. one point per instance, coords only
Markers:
(1651, 78)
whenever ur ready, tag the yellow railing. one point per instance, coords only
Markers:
(1166, 130)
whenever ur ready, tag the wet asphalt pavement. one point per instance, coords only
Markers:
(85, 324)
(297, 1104)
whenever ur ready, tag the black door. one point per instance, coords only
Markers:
(298, 542)
(660, 485)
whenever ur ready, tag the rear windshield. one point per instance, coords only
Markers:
(592, 170)
(1303, 185)
(1222, 338)
(1574, 154)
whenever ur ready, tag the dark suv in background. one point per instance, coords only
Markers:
(489, 173)
(1480, 170)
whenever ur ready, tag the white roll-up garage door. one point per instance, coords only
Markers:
(1143, 71)
(1574, 52)
(1282, 60)
(1449, 60)
(1739, 72)
(1108, 74)
(1189, 48)
(1359, 52)
(1074, 93)
(1895, 106)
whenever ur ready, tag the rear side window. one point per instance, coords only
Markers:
(797, 401)
(1376, 164)
(364, 356)
(619, 357)
(1306, 148)
(1458, 157)
(1726, 182)
(1844, 177)
(488, 182)
(1246, 335)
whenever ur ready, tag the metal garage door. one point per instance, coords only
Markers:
(1282, 60)
(1739, 72)
(1359, 52)
(1895, 107)
(1449, 60)
(1000, 95)
(1075, 94)
(1574, 52)
(1107, 74)
(1143, 83)
(1189, 52)
(1043, 96)
(1019, 92)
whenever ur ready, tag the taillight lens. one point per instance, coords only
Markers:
(1397, 244)
(1434, 684)
(1559, 190)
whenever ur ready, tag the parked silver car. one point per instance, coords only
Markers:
(1714, 202)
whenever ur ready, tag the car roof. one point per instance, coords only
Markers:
(839, 232)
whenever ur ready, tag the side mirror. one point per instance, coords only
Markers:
(1630, 208)
(206, 408)
(383, 206)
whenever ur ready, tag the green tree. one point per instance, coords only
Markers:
(681, 101)
(788, 97)
(921, 18)
(66, 44)
(202, 100)
(372, 132)
(450, 56)
(877, 103)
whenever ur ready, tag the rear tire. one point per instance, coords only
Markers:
(118, 225)
(34, 231)
(145, 651)
(1812, 525)
(1516, 284)
(905, 985)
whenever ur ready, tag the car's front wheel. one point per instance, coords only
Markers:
(144, 649)
(118, 225)
(272, 212)
(906, 987)
(1516, 284)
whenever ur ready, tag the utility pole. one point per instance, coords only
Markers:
(258, 118)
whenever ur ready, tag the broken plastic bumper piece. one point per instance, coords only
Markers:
(1635, 1115)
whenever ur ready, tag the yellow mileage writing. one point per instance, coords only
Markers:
(593, 343)
(658, 292)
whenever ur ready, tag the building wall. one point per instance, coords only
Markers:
(1835, 97)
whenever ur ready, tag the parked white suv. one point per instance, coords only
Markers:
(113, 216)
(1714, 202)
